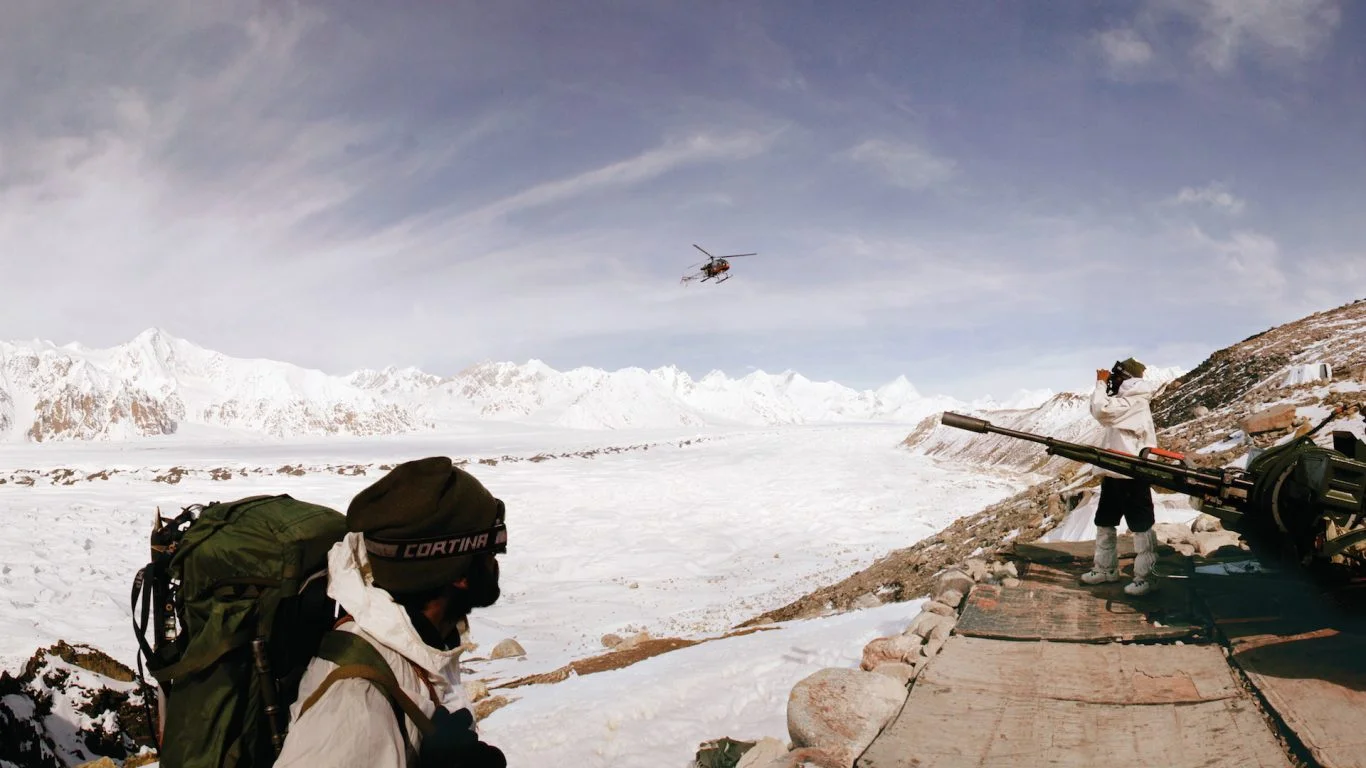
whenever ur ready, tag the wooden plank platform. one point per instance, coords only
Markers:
(991, 703)
(1304, 649)
(1050, 604)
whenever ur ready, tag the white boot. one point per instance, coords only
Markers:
(1107, 558)
(1145, 557)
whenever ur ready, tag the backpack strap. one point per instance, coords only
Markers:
(355, 657)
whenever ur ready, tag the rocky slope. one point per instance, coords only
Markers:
(69, 705)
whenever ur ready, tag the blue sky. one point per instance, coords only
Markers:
(980, 196)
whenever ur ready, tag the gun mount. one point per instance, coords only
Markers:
(1298, 498)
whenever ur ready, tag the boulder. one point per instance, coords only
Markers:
(841, 711)
(507, 649)
(611, 640)
(897, 648)
(632, 641)
(934, 645)
(899, 671)
(954, 579)
(1207, 544)
(866, 600)
(950, 597)
(929, 625)
(1171, 533)
(1184, 548)
(1277, 417)
(941, 609)
(1206, 524)
(763, 753)
(977, 569)
(1004, 570)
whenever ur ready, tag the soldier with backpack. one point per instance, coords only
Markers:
(281, 632)
(419, 555)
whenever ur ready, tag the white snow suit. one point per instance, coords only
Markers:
(1127, 418)
(353, 723)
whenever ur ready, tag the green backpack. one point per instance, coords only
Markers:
(236, 593)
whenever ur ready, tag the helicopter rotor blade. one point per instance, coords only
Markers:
(704, 250)
(737, 255)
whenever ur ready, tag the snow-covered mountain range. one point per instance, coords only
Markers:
(158, 384)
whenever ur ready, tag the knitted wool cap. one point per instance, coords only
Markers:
(423, 522)
(1133, 368)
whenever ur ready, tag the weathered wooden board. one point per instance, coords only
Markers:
(1304, 650)
(1050, 604)
(1317, 684)
(987, 703)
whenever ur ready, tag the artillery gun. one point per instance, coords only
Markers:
(1297, 499)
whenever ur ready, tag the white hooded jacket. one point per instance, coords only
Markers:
(353, 723)
(1127, 418)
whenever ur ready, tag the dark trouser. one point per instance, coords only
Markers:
(1124, 498)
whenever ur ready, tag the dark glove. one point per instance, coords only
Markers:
(454, 744)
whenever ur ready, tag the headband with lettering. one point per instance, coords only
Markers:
(493, 540)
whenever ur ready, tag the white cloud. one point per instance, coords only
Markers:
(1123, 48)
(1246, 267)
(625, 173)
(1213, 195)
(1297, 27)
(904, 164)
(1232, 29)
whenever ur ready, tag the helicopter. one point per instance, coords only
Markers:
(715, 268)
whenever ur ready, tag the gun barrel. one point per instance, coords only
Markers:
(1223, 494)
(982, 426)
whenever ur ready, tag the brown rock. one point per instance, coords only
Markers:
(1207, 544)
(929, 625)
(632, 641)
(941, 609)
(977, 569)
(841, 711)
(899, 671)
(764, 753)
(950, 597)
(1206, 524)
(956, 580)
(934, 645)
(507, 649)
(897, 648)
(488, 706)
(1171, 533)
(1271, 419)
